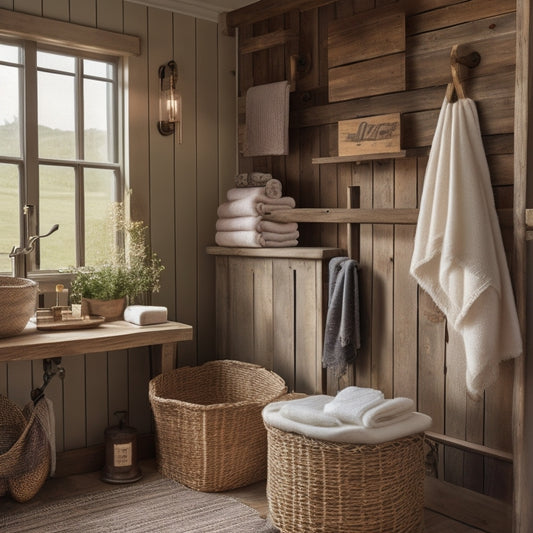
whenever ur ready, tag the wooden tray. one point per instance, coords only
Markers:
(92, 321)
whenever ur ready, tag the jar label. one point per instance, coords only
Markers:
(122, 454)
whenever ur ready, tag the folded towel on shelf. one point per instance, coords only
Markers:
(143, 315)
(276, 227)
(310, 410)
(267, 119)
(458, 257)
(350, 433)
(279, 237)
(253, 206)
(388, 411)
(351, 403)
(237, 223)
(243, 239)
(252, 179)
(278, 244)
(271, 190)
(342, 330)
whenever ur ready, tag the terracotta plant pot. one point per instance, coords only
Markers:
(110, 309)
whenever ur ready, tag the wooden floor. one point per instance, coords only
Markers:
(254, 496)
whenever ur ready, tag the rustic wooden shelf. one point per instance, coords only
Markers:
(337, 215)
(296, 252)
(345, 216)
(356, 158)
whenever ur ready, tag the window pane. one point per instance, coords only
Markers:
(10, 53)
(9, 207)
(100, 69)
(57, 206)
(56, 116)
(99, 131)
(100, 193)
(9, 111)
(56, 62)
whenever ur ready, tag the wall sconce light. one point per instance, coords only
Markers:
(169, 101)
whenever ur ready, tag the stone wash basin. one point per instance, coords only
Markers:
(18, 300)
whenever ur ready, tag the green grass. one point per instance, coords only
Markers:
(56, 198)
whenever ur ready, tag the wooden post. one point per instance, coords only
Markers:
(522, 176)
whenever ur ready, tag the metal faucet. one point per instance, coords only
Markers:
(18, 254)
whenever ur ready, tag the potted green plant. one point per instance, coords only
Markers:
(130, 274)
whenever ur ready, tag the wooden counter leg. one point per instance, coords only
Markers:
(164, 357)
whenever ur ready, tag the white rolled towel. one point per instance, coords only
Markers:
(243, 239)
(276, 227)
(351, 403)
(269, 236)
(388, 412)
(238, 223)
(309, 410)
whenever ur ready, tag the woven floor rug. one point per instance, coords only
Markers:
(158, 506)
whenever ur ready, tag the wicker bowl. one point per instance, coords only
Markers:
(18, 299)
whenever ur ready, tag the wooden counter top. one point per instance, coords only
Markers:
(109, 336)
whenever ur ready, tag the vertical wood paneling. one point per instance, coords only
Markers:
(19, 382)
(109, 15)
(241, 309)
(263, 353)
(56, 9)
(3, 379)
(117, 380)
(33, 7)
(140, 414)
(96, 383)
(222, 306)
(283, 315)
(83, 12)
(162, 191)
(6, 4)
(207, 188)
(405, 287)
(74, 422)
(185, 179)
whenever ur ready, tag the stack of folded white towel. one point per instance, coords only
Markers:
(355, 414)
(240, 219)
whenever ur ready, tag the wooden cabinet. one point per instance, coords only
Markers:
(270, 310)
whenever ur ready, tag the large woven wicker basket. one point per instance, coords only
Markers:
(210, 434)
(321, 486)
(24, 451)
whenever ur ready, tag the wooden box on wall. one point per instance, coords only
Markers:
(270, 310)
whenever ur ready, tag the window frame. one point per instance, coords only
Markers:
(29, 162)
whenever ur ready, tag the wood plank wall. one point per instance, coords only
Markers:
(176, 189)
(407, 349)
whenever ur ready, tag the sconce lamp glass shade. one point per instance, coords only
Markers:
(169, 101)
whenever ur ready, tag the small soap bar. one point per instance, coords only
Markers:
(143, 315)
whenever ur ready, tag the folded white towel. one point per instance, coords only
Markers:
(278, 244)
(309, 410)
(269, 236)
(276, 227)
(253, 206)
(143, 315)
(388, 412)
(243, 239)
(458, 257)
(267, 119)
(271, 190)
(237, 223)
(414, 423)
(351, 403)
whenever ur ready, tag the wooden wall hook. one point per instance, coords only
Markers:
(471, 60)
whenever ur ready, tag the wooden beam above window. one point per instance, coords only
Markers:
(59, 33)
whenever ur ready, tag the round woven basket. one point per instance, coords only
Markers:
(17, 304)
(24, 451)
(321, 486)
(210, 434)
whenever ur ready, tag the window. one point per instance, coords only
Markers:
(59, 152)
